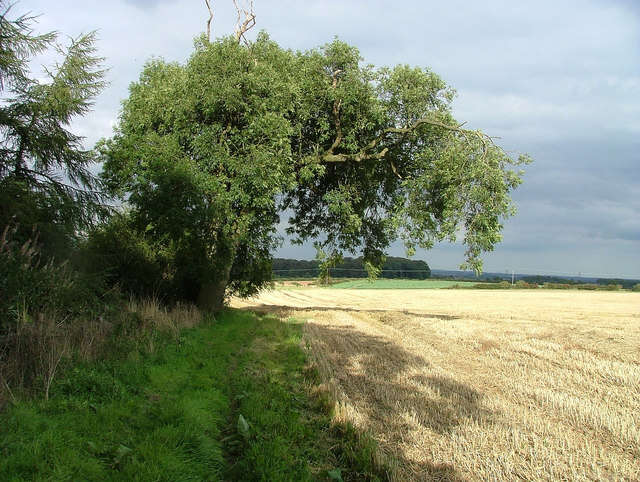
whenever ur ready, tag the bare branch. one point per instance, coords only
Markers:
(243, 26)
(208, 3)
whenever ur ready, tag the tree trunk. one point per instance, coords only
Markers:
(211, 296)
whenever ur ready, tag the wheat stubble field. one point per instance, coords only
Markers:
(460, 384)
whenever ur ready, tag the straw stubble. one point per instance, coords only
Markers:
(457, 384)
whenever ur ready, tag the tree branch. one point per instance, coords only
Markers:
(364, 154)
(336, 114)
(395, 171)
(248, 23)
(208, 3)
(18, 164)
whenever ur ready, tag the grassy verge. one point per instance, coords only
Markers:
(227, 400)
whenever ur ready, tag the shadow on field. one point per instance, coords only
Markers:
(400, 406)
(283, 310)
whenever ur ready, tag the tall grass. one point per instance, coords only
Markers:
(51, 314)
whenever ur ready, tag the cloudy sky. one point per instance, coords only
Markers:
(559, 80)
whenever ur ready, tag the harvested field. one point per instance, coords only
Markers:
(458, 384)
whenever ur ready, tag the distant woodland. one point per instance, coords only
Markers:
(393, 267)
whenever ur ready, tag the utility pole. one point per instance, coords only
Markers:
(513, 275)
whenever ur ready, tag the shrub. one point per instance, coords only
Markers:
(116, 252)
(30, 285)
(39, 305)
(611, 287)
(558, 286)
(588, 286)
(636, 287)
(51, 313)
(122, 252)
(502, 285)
(520, 284)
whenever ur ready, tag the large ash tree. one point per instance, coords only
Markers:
(207, 154)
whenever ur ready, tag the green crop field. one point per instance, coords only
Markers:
(400, 284)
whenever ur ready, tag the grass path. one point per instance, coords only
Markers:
(177, 411)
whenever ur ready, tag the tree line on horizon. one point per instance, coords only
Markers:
(393, 267)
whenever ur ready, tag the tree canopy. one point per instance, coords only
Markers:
(208, 154)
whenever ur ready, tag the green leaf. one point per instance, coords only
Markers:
(243, 427)
(335, 474)
(122, 451)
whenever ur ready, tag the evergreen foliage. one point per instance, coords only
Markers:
(45, 180)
